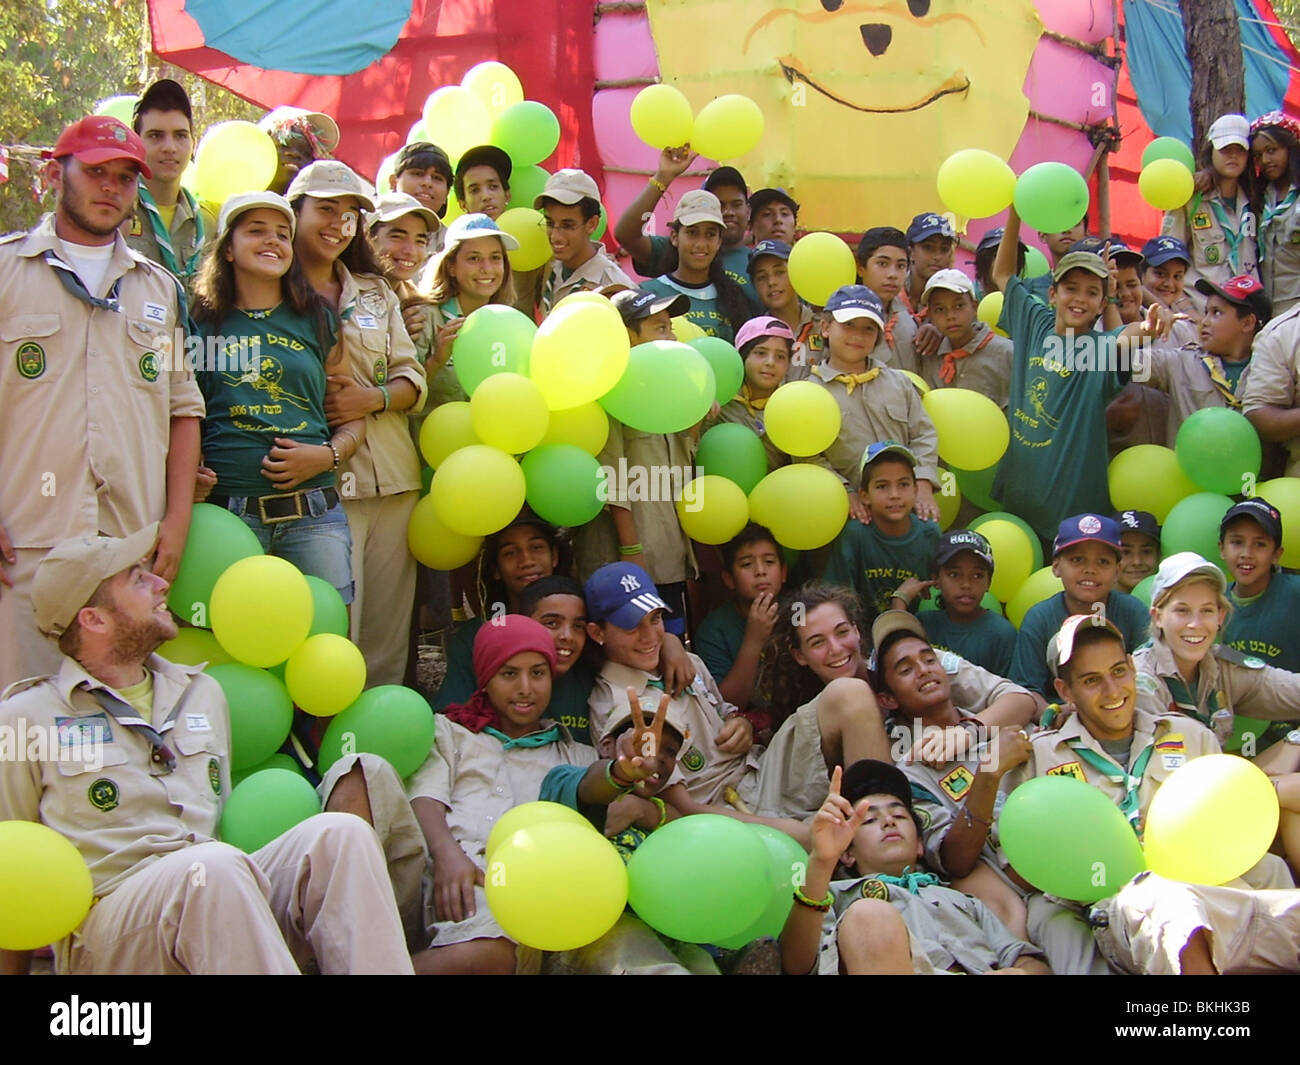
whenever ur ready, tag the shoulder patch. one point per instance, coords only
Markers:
(1224, 653)
(923, 817)
(951, 662)
(874, 889)
(957, 782)
(693, 759)
(1070, 769)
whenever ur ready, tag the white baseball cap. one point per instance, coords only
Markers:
(1177, 568)
(329, 179)
(698, 206)
(568, 187)
(952, 280)
(1229, 129)
(243, 202)
(394, 205)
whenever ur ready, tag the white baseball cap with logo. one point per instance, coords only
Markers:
(568, 187)
(698, 206)
(952, 280)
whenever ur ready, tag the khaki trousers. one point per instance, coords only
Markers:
(24, 652)
(383, 575)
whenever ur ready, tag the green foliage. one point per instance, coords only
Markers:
(58, 59)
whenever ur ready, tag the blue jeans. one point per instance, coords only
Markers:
(319, 543)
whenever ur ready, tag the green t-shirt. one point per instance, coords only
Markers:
(1262, 626)
(718, 638)
(874, 565)
(284, 396)
(1029, 664)
(989, 640)
(705, 310)
(1233, 371)
(1040, 286)
(735, 262)
(1056, 463)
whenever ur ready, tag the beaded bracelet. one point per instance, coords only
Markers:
(658, 184)
(812, 904)
(663, 812)
(613, 781)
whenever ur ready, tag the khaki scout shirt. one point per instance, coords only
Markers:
(705, 770)
(645, 473)
(1245, 685)
(986, 370)
(1197, 225)
(478, 779)
(89, 393)
(1175, 737)
(379, 351)
(184, 235)
(597, 272)
(888, 408)
(1271, 378)
(1181, 373)
(902, 326)
(128, 811)
(1279, 250)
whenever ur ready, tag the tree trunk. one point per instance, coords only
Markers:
(1214, 52)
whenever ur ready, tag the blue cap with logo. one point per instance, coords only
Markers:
(1159, 250)
(1087, 527)
(1260, 511)
(991, 239)
(929, 225)
(856, 301)
(880, 449)
(622, 593)
(953, 543)
(777, 248)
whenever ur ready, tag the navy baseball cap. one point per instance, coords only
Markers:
(635, 304)
(991, 239)
(1139, 521)
(870, 777)
(1122, 254)
(856, 301)
(621, 593)
(1087, 527)
(762, 197)
(1159, 250)
(954, 543)
(725, 177)
(929, 225)
(777, 248)
(1260, 511)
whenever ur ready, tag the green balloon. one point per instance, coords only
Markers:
(733, 451)
(977, 486)
(1051, 197)
(667, 388)
(1036, 264)
(1193, 525)
(528, 132)
(121, 108)
(787, 869)
(700, 879)
(329, 612)
(1143, 589)
(1219, 450)
(391, 721)
(1169, 148)
(261, 712)
(276, 761)
(1036, 545)
(728, 366)
(266, 805)
(602, 225)
(192, 647)
(526, 184)
(1096, 857)
(426, 479)
(494, 339)
(564, 484)
(217, 540)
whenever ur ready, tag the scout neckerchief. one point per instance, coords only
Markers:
(948, 368)
(1115, 774)
(754, 406)
(912, 882)
(889, 329)
(658, 685)
(1220, 381)
(71, 280)
(164, 238)
(850, 381)
(535, 739)
(1233, 238)
(1280, 208)
(125, 714)
(1185, 701)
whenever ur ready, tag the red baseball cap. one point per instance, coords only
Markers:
(99, 138)
(1243, 291)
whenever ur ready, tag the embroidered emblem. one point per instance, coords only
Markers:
(103, 795)
(1070, 769)
(31, 360)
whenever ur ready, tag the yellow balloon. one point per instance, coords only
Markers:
(233, 157)
(727, 127)
(527, 815)
(583, 296)
(45, 887)
(685, 330)
(456, 119)
(990, 311)
(326, 674)
(802, 418)
(586, 427)
(1284, 493)
(804, 505)
(973, 431)
(975, 184)
(661, 117)
(449, 428)
(1042, 584)
(712, 509)
(261, 610)
(529, 228)
(1148, 477)
(917, 380)
(556, 886)
(1219, 798)
(191, 647)
(579, 354)
(819, 264)
(509, 412)
(477, 490)
(1013, 557)
(435, 545)
(1166, 184)
(949, 500)
(495, 84)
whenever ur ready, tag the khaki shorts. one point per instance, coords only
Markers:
(792, 778)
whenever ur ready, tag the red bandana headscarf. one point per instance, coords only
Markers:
(498, 641)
